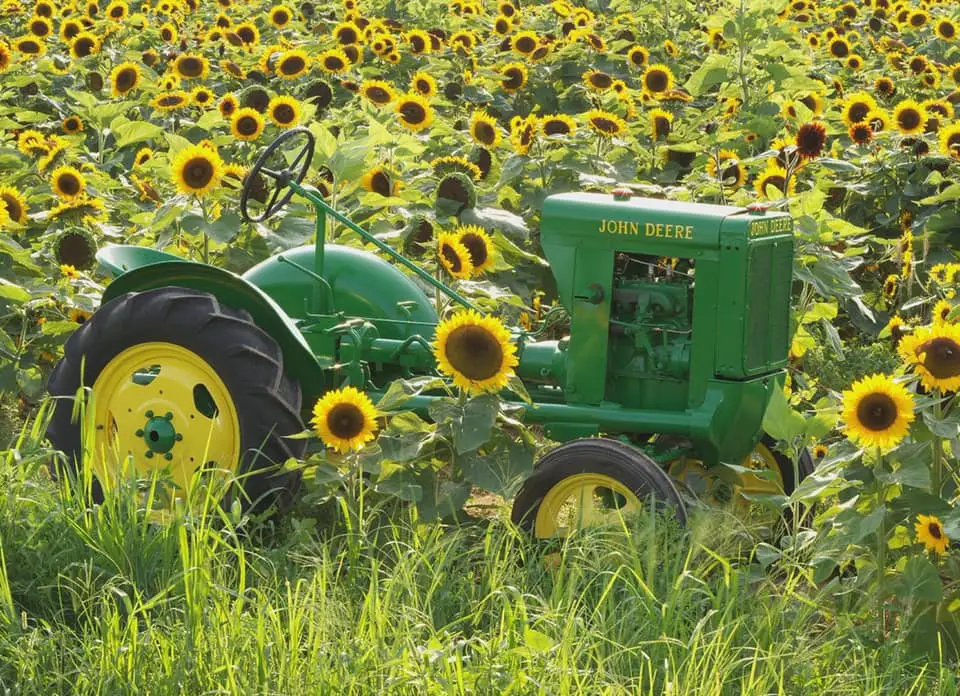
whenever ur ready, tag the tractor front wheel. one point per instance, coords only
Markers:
(173, 382)
(590, 482)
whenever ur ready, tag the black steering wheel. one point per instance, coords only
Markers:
(254, 185)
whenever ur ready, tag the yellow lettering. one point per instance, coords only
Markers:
(659, 230)
(649, 229)
(634, 228)
(689, 231)
(668, 230)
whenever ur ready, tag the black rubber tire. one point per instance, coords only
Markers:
(805, 465)
(245, 357)
(618, 460)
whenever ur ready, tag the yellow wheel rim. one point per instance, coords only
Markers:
(161, 408)
(725, 487)
(583, 500)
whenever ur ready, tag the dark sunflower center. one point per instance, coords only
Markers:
(941, 357)
(284, 113)
(601, 80)
(68, 184)
(858, 111)
(378, 95)
(413, 112)
(417, 44)
(126, 79)
(197, 172)
(474, 352)
(75, 250)
(947, 30)
(477, 247)
(170, 100)
(281, 17)
(381, 184)
(190, 66)
(246, 34)
(918, 64)
(514, 78)
(810, 140)
(953, 143)
(484, 132)
(656, 81)
(452, 189)
(72, 124)
(117, 12)
(13, 208)
(935, 530)
(345, 421)
(661, 126)
(730, 173)
(773, 180)
(29, 46)
(454, 262)
(604, 124)
(555, 126)
(839, 49)
(202, 97)
(637, 58)
(909, 119)
(333, 63)
(70, 31)
(423, 86)
(246, 125)
(347, 36)
(166, 34)
(877, 411)
(525, 44)
(39, 28)
(227, 107)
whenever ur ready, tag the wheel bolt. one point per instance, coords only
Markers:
(169, 416)
(168, 456)
(148, 414)
(179, 437)
(139, 432)
(149, 454)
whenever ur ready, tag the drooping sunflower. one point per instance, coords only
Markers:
(774, 177)
(877, 412)
(484, 130)
(196, 170)
(479, 245)
(67, 182)
(475, 351)
(605, 123)
(284, 112)
(929, 530)
(345, 419)
(16, 204)
(454, 256)
(333, 61)
(657, 79)
(811, 140)
(380, 180)
(933, 352)
(377, 92)
(246, 124)
(660, 123)
(414, 112)
(124, 78)
(950, 140)
(75, 248)
(72, 124)
(79, 208)
(452, 163)
(514, 76)
(909, 117)
(726, 167)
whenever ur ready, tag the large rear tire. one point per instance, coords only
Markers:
(184, 384)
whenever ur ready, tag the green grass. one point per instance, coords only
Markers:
(338, 600)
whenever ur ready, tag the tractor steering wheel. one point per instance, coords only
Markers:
(254, 184)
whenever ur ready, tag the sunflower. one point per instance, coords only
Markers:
(56, 146)
(5, 57)
(884, 86)
(202, 96)
(419, 42)
(189, 66)
(475, 351)
(85, 44)
(423, 84)
(929, 530)
(860, 133)
(30, 45)
(280, 16)
(69, 29)
(484, 130)
(284, 112)
(16, 204)
(726, 167)
(79, 316)
(41, 27)
(346, 33)
(878, 120)
(118, 10)
(946, 29)
(143, 156)
(124, 78)
(452, 163)
(333, 61)
(196, 170)
(877, 412)
(68, 182)
(246, 124)
(856, 107)
(597, 80)
(524, 43)
(514, 76)
(558, 124)
(933, 352)
(909, 117)
(522, 133)
(292, 64)
(345, 419)
(168, 82)
(377, 92)
(4, 215)
(169, 101)
(79, 208)
(657, 79)
(479, 246)
(950, 140)
(380, 180)
(605, 123)
(75, 248)
(169, 33)
(941, 312)
(774, 175)
(660, 123)
(71, 125)
(891, 285)
(454, 256)
(414, 112)
(227, 105)
(247, 33)
(811, 139)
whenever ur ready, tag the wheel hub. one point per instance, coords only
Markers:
(160, 435)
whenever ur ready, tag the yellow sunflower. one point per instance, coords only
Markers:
(16, 204)
(475, 351)
(380, 180)
(941, 312)
(452, 163)
(414, 112)
(377, 92)
(71, 125)
(284, 112)
(933, 352)
(190, 66)
(484, 130)
(419, 42)
(281, 16)
(202, 96)
(598, 80)
(774, 176)
(524, 42)
(605, 123)
(67, 182)
(454, 256)
(660, 123)
(877, 412)
(638, 56)
(657, 79)
(423, 84)
(726, 167)
(909, 117)
(333, 61)
(855, 108)
(85, 44)
(930, 533)
(514, 76)
(479, 245)
(950, 140)
(246, 124)
(345, 419)
(227, 105)
(79, 316)
(124, 78)
(292, 64)
(196, 170)
(170, 101)
(558, 124)
(30, 46)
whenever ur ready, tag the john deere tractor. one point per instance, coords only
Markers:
(678, 336)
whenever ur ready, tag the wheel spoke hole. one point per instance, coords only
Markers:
(608, 499)
(203, 401)
(145, 375)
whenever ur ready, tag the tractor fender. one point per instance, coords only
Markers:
(235, 292)
(363, 285)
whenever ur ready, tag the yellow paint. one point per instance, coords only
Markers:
(583, 500)
(647, 229)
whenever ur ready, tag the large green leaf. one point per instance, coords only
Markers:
(919, 581)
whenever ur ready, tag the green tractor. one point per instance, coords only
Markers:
(663, 379)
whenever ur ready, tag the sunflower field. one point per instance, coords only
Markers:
(442, 126)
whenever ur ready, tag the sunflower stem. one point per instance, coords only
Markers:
(881, 541)
(936, 476)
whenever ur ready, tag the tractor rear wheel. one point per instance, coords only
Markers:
(588, 482)
(173, 382)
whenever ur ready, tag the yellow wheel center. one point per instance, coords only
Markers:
(725, 487)
(162, 409)
(584, 500)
